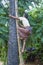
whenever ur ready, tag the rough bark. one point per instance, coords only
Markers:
(12, 43)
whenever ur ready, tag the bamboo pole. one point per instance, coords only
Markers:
(19, 45)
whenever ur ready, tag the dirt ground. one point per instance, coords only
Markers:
(34, 63)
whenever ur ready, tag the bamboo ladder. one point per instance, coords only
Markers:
(19, 45)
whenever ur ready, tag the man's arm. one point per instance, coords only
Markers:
(21, 26)
(14, 17)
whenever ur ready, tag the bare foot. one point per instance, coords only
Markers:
(22, 51)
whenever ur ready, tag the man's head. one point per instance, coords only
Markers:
(25, 14)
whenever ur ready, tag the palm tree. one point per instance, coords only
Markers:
(12, 43)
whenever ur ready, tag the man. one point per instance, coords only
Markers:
(25, 29)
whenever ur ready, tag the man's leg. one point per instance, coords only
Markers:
(22, 35)
(23, 30)
(24, 43)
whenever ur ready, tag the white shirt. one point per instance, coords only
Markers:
(24, 21)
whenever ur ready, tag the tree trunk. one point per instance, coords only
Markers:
(12, 43)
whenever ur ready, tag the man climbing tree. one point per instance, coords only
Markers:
(25, 29)
(12, 43)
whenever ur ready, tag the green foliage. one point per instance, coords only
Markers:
(36, 21)
(3, 32)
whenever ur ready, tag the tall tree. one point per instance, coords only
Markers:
(12, 44)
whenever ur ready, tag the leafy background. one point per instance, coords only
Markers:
(35, 17)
